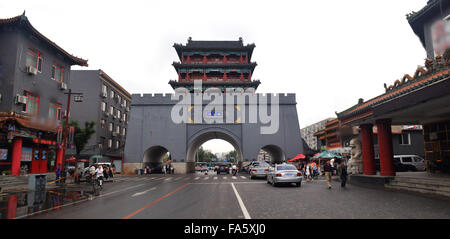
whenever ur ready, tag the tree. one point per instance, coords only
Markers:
(81, 136)
(204, 156)
(233, 154)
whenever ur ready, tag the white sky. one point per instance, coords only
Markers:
(328, 52)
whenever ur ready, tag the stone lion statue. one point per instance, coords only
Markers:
(355, 164)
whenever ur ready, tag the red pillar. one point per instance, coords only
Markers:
(204, 59)
(224, 76)
(246, 58)
(189, 59)
(385, 145)
(204, 76)
(187, 76)
(12, 207)
(240, 59)
(367, 149)
(242, 76)
(224, 59)
(16, 156)
(59, 156)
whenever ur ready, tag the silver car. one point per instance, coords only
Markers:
(259, 170)
(284, 173)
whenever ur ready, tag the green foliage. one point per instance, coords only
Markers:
(82, 136)
(204, 156)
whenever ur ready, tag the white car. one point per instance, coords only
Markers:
(414, 160)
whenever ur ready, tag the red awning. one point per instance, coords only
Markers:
(299, 156)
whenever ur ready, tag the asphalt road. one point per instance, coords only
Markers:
(198, 196)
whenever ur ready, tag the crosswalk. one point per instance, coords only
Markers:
(177, 178)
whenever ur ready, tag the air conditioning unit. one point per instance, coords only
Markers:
(106, 113)
(31, 70)
(114, 134)
(20, 99)
(104, 94)
(63, 86)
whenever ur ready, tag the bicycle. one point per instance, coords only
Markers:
(96, 185)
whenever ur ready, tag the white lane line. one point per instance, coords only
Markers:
(196, 178)
(242, 177)
(167, 179)
(215, 178)
(241, 203)
(234, 177)
(143, 192)
(206, 178)
(76, 202)
(225, 177)
(234, 183)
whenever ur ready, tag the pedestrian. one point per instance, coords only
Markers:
(308, 173)
(172, 170)
(105, 173)
(164, 170)
(58, 173)
(110, 173)
(328, 170)
(342, 170)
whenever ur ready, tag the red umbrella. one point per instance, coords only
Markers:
(299, 156)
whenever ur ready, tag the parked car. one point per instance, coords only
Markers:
(252, 165)
(414, 160)
(284, 173)
(260, 170)
(398, 166)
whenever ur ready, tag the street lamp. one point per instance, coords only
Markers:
(78, 98)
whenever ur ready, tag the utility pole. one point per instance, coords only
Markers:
(66, 125)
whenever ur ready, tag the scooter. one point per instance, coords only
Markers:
(234, 171)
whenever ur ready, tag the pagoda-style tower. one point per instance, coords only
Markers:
(219, 64)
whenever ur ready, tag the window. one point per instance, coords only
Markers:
(405, 139)
(102, 123)
(111, 110)
(110, 127)
(34, 59)
(117, 144)
(119, 99)
(104, 89)
(55, 111)
(118, 114)
(32, 106)
(124, 131)
(124, 116)
(109, 143)
(103, 106)
(118, 129)
(112, 94)
(57, 72)
(407, 160)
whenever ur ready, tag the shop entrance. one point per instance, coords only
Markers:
(40, 160)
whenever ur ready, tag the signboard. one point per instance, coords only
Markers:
(440, 34)
(3, 154)
(27, 154)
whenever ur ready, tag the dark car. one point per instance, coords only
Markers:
(225, 168)
(398, 166)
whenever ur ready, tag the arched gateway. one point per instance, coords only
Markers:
(251, 123)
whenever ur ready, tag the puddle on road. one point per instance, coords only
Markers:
(21, 204)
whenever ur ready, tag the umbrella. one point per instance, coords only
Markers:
(326, 155)
(299, 156)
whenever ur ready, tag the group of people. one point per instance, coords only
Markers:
(100, 173)
(310, 171)
(165, 169)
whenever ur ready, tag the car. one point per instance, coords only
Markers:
(284, 174)
(260, 170)
(414, 160)
(252, 165)
(398, 166)
(222, 168)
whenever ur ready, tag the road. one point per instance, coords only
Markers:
(199, 196)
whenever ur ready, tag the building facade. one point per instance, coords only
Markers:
(107, 104)
(34, 74)
(309, 131)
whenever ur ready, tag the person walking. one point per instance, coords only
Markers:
(342, 170)
(328, 171)
(164, 170)
(58, 173)
(308, 173)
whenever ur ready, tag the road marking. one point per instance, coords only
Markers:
(234, 177)
(143, 192)
(76, 202)
(196, 178)
(225, 177)
(206, 178)
(154, 202)
(231, 183)
(242, 177)
(215, 178)
(241, 203)
(167, 179)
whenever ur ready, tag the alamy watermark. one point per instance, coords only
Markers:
(215, 107)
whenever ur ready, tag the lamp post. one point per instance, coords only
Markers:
(78, 98)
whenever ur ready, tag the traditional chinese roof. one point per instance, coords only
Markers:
(417, 19)
(436, 71)
(230, 84)
(22, 22)
(214, 45)
(28, 122)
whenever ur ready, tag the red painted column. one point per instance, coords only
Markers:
(12, 207)
(224, 59)
(16, 156)
(367, 149)
(224, 76)
(246, 58)
(189, 59)
(242, 76)
(204, 76)
(204, 59)
(385, 145)
(59, 156)
(240, 59)
(187, 76)
(249, 76)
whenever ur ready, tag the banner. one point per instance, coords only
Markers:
(3, 154)
(27, 154)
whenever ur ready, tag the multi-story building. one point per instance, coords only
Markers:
(309, 131)
(34, 74)
(107, 104)
(218, 64)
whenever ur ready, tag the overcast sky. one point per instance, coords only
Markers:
(328, 52)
